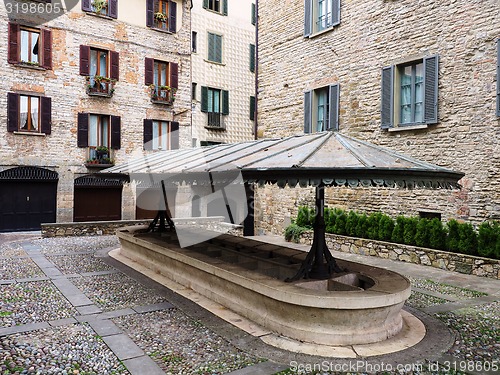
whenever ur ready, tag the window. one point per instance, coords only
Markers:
(101, 7)
(162, 15)
(28, 113)
(252, 108)
(321, 109)
(320, 15)
(252, 57)
(214, 102)
(161, 135)
(101, 68)
(193, 90)
(30, 46)
(214, 48)
(163, 78)
(96, 130)
(254, 14)
(409, 93)
(194, 43)
(218, 6)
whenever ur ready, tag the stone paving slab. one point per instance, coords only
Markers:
(142, 366)
(62, 322)
(88, 309)
(23, 328)
(123, 346)
(71, 292)
(117, 313)
(104, 327)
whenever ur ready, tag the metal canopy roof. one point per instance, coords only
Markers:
(328, 158)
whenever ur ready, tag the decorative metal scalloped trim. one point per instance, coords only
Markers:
(29, 173)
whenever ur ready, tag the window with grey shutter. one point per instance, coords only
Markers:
(335, 12)
(307, 17)
(224, 7)
(431, 89)
(252, 108)
(252, 57)
(387, 112)
(214, 47)
(225, 102)
(254, 14)
(204, 99)
(307, 111)
(333, 114)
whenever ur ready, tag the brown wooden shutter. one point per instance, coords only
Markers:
(148, 134)
(174, 135)
(113, 9)
(47, 49)
(149, 65)
(13, 53)
(115, 132)
(83, 130)
(115, 65)
(150, 9)
(84, 60)
(46, 115)
(86, 6)
(12, 112)
(172, 17)
(174, 75)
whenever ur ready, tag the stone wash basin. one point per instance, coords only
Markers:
(360, 306)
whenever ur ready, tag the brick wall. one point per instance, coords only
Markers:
(374, 34)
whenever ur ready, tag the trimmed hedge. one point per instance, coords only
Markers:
(430, 233)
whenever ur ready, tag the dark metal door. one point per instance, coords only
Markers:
(24, 205)
(97, 203)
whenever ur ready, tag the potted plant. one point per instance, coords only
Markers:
(102, 152)
(160, 17)
(99, 5)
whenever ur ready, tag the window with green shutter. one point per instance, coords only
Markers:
(252, 108)
(217, 6)
(252, 57)
(254, 14)
(214, 102)
(214, 48)
(409, 93)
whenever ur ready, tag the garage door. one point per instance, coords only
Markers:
(27, 198)
(97, 199)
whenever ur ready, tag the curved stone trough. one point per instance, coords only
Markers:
(360, 306)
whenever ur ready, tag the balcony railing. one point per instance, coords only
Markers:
(324, 21)
(100, 86)
(162, 94)
(215, 120)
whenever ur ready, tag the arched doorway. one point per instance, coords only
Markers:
(28, 198)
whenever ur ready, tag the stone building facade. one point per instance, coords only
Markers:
(418, 77)
(223, 63)
(88, 78)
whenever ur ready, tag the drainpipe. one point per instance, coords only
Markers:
(255, 125)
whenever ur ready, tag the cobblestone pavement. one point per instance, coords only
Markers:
(67, 308)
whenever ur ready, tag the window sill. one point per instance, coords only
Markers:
(402, 128)
(94, 14)
(98, 166)
(214, 62)
(215, 127)
(30, 66)
(161, 30)
(30, 133)
(324, 31)
(215, 12)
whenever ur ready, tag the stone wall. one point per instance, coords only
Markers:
(461, 263)
(98, 228)
(464, 36)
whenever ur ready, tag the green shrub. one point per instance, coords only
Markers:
(330, 218)
(398, 231)
(453, 237)
(497, 249)
(293, 232)
(437, 234)
(373, 225)
(422, 233)
(340, 221)
(362, 226)
(351, 223)
(410, 229)
(385, 228)
(488, 239)
(305, 217)
(467, 243)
